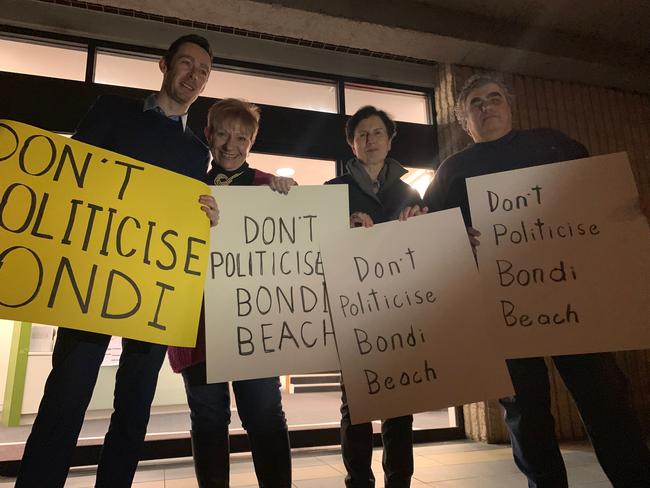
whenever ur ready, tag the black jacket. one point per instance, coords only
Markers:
(516, 150)
(387, 204)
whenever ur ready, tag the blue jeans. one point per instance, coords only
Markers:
(356, 448)
(599, 389)
(76, 360)
(259, 403)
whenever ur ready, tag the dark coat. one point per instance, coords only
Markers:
(393, 196)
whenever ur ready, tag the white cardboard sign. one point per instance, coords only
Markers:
(265, 303)
(564, 257)
(408, 315)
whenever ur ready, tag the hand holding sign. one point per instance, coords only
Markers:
(211, 209)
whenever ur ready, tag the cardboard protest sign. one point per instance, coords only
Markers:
(408, 315)
(265, 303)
(96, 241)
(564, 257)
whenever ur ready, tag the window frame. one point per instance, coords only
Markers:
(93, 45)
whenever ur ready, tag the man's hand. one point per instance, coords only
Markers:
(360, 219)
(473, 235)
(413, 211)
(209, 206)
(282, 184)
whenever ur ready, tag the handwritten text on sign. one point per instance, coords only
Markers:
(91, 240)
(407, 314)
(564, 257)
(265, 302)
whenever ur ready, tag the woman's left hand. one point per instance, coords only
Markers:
(282, 184)
(413, 211)
(209, 206)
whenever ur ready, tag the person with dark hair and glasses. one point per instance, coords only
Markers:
(153, 130)
(376, 194)
(599, 388)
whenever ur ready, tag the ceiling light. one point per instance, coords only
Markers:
(287, 172)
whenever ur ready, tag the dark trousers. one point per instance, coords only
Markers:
(599, 389)
(259, 404)
(356, 447)
(75, 365)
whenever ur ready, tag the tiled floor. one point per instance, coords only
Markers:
(462, 464)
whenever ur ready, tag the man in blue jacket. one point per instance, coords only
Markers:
(155, 131)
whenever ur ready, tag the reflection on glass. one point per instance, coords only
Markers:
(125, 70)
(142, 72)
(33, 58)
(306, 95)
(402, 106)
(418, 178)
(305, 171)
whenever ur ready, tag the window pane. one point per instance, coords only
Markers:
(125, 70)
(43, 60)
(307, 95)
(402, 106)
(142, 72)
(305, 171)
(418, 178)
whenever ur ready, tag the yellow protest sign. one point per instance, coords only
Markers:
(96, 241)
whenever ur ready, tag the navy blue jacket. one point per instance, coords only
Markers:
(120, 125)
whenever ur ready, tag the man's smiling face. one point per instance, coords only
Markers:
(186, 75)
